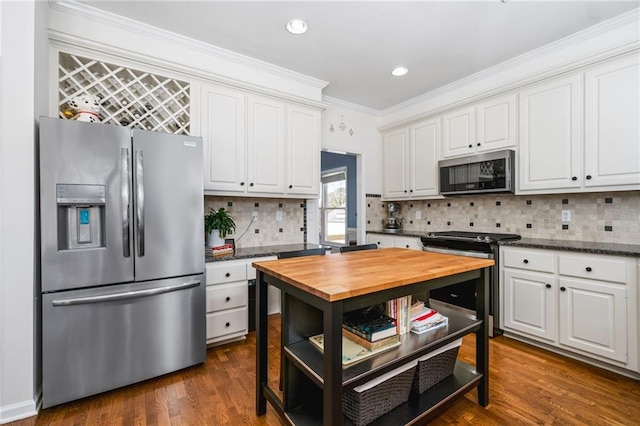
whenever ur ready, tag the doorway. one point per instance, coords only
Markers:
(337, 205)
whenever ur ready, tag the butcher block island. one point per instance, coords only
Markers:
(318, 290)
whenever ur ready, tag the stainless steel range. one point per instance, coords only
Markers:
(475, 244)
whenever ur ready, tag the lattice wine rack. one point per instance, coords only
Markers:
(128, 97)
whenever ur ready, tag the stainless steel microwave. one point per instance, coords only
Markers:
(490, 172)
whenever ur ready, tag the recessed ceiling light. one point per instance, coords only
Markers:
(297, 26)
(399, 71)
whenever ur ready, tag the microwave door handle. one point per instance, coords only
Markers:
(125, 182)
(140, 201)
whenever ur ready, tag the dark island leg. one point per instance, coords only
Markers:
(482, 336)
(261, 343)
(332, 392)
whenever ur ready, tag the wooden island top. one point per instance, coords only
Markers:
(341, 276)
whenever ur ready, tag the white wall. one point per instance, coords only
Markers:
(17, 211)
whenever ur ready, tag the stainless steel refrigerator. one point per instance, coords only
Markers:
(122, 256)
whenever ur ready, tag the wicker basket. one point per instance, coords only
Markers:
(365, 403)
(436, 366)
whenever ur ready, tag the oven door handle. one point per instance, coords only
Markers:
(468, 253)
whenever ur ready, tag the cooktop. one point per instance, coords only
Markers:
(471, 236)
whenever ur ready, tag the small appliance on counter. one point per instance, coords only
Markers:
(393, 222)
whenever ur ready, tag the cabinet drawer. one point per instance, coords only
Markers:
(226, 296)
(594, 267)
(226, 322)
(221, 274)
(528, 259)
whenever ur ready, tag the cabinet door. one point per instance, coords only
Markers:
(459, 132)
(394, 147)
(265, 144)
(593, 317)
(550, 135)
(383, 241)
(407, 242)
(529, 304)
(496, 125)
(612, 108)
(423, 158)
(223, 131)
(303, 151)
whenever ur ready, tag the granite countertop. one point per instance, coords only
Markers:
(577, 246)
(252, 252)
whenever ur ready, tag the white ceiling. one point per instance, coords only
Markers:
(354, 45)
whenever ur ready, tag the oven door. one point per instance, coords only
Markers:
(462, 296)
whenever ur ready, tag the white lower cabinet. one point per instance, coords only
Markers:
(386, 241)
(585, 304)
(228, 303)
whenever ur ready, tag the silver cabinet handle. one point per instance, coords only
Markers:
(125, 188)
(140, 200)
(124, 296)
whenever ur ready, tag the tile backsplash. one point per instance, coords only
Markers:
(266, 230)
(612, 217)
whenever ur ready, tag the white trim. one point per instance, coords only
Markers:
(618, 36)
(355, 107)
(127, 24)
(18, 411)
(69, 43)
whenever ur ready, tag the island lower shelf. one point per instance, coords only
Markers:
(305, 356)
(422, 406)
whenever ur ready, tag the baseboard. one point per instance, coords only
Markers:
(18, 411)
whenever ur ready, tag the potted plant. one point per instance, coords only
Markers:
(217, 224)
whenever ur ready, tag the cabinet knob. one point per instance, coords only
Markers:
(378, 242)
(251, 184)
(574, 178)
(470, 146)
(228, 274)
(526, 261)
(588, 268)
(548, 285)
(227, 324)
(563, 289)
(588, 177)
(227, 299)
(407, 246)
(405, 191)
(241, 183)
(290, 186)
(478, 144)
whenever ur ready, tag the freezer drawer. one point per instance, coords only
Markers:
(103, 338)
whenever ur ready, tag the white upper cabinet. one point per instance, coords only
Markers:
(223, 130)
(612, 132)
(551, 135)
(486, 126)
(303, 150)
(265, 145)
(258, 146)
(410, 161)
(395, 145)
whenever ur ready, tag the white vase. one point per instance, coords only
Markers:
(214, 240)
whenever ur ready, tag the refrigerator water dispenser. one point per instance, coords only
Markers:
(81, 211)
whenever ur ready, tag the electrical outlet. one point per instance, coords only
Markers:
(566, 215)
(254, 216)
(418, 214)
(279, 216)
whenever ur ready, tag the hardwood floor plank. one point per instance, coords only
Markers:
(528, 386)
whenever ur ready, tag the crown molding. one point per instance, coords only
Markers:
(88, 12)
(586, 34)
(355, 107)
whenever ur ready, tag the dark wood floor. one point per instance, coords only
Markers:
(529, 386)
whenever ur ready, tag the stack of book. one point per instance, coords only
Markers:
(222, 250)
(427, 319)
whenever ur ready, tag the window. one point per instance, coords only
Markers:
(333, 207)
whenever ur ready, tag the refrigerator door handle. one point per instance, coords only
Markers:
(125, 190)
(124, 296)
(140, 201)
